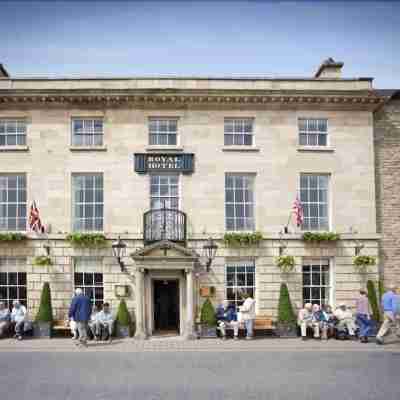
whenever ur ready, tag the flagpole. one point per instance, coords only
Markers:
(288, 221)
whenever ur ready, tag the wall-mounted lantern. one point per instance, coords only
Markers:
(358, 245)
(210, 250)
(119, 250)
(282, 244)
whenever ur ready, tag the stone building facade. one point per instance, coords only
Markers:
(231, 153)
(387, 158)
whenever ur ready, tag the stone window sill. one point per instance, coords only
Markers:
(318, 149)
(165, 148)
(241, 148)
(88, 148)
(14, 148)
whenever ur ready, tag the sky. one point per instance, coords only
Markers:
(206, 38)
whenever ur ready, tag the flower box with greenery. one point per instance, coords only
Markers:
(285, 263)
(42, 261)
(123, 321)
(12, 237)
(208, 321)
(287, 321)
(87, 239)
(362, 263)
(44, 317)
(242, 239)
(318, 237)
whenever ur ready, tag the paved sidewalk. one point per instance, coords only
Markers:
(209, 345)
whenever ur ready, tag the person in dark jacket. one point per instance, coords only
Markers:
(227, 318)
(80, 311)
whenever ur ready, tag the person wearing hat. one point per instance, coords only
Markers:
(389, 301)
(305, 319)
(363, 316)
(345, 319)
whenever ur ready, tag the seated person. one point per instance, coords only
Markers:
(227, 318)
(305, 320)
(345, 319)
(320, 317)
(104, 319)
(93, 320)
(329, 320)
(4, 318)
(18, 318)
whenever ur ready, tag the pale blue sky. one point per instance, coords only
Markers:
(201, 38)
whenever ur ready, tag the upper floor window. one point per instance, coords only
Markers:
(239, 202)
(314, 200)
(313, 132)
(13, 202)
(87, 208)
(238, 131)
(12, 132)
(163, 131)
(87, 132)
(164, 191)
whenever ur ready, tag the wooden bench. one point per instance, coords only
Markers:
(263, 326)
(61, 327)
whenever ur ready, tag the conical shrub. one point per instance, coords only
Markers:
(373, 301)
(207, 315)
(45, 313)
(123, 317)
(286, 314)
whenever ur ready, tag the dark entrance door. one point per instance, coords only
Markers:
(166, 305)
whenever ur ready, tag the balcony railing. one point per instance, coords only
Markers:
(164, 224)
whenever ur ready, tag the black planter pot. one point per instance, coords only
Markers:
(286, 331)
(123, 331)
(205, 331)
(42, 329)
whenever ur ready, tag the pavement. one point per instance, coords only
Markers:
(206, 369)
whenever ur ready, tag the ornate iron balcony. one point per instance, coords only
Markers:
(164, 224)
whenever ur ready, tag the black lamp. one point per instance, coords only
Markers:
(210, 250)
(119, 249)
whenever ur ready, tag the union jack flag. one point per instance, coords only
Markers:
(35, 224)
(298, 212)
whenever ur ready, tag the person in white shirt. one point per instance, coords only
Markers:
(345, 319)
(4, 318)
(248, 313)
(104, 319)
(18, 317)
(93, 320)
(305, 319)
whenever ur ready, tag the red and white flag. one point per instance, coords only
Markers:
(298, 212)
(35, 224)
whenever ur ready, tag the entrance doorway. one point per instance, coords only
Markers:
(166, 306)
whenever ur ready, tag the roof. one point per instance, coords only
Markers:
(390, 93)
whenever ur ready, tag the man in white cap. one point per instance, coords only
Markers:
(390, 320)
(305, 319)
(79, 311)
(346, 319)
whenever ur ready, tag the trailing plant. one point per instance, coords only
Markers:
(236, 239)
(286, 315)
(320, 236)
(207, 315)
(285, 263)
(361, 263)
(12, 237)
(42, 260)
(87, 239)
(373, 301)
(45, 313)
(123, 317)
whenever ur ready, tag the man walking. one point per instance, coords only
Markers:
(79, 311)
(363, 318)
(389, 300)
(248, 310)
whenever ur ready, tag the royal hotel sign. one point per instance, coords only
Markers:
(182, 162)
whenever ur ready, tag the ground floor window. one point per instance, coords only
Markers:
(316, 281)
(13, 280)
(88, 276)
(240, 279)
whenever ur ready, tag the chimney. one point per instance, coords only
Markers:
(3, 72)
(329, 69)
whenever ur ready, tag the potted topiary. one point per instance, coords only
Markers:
(208, 320)
(374, 304)
(123, 321)
(287, 321)
(44, 317)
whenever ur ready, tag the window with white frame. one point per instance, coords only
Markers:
(88, 276)
(12, 132)
(164, 191)
(314, 199)
(87, 202)
(313, 132)
(163, 131)
(13, 280)
(240, 279)
(87, 132)
(239, 202)
(316, 281)
(12, 202)
(238, 131)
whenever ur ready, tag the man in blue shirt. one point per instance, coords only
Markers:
(389, 301)
(227, 318)
(80, 310)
